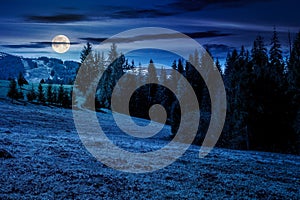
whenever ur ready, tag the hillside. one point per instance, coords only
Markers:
(50, 162)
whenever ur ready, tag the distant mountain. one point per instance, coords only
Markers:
(52, 70)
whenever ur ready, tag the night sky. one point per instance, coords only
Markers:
(27, 27)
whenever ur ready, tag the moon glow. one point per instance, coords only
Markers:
(60, 43)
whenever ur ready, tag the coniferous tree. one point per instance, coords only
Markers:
(60, 95)
(66, 99)
(31, 95)
(276, 60)
(50, 99)
(13, 91)
(41, 95)
(55, 95)
(218, 67)
(113, 53)
(152, 77)
(21, 80)
(180, 66)
(87, 49)
(293, 77)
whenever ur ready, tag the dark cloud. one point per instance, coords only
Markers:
(196, 5)
(207, 34)
(141, 13)
(195, 35)
(60, 18)
(34, 45)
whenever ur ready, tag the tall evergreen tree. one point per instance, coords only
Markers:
(87, 49)
(180, 66)
(259, 56)
(113, 53)
(276, 68)
(152, 77)
(293, 77)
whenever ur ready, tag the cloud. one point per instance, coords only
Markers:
(33, 45)
(195, 35)
(140, 13)
(195, 5)
(60, 18)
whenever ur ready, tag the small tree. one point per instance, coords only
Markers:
(31, 95)
(66, 101)
(60, 95)
(13, 91)
(54, 100)
(41, 95)
(21, 80)
(49, 94)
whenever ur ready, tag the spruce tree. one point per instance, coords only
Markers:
(293, 76)
(31, 95)
(41, 95)
(87, 49)
(13, 91)
(152, 77)
(276, 60)
(113, 53)
(21, 80)
(60, 95)
(49, 94)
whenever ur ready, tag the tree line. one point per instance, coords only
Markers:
(47, 94)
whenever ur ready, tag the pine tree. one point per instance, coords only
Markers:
(293, 76)
(13, 91)
(152, 78)
(50, 94)
(41, 95)
(174, 77)
(218, 66)
(259, 56)
(21, 80)
(60, 95)
(87, 49)
(31, 95)
(113, 53)
(237, 77)
(180, 66)
(55, 95)
(276, 60)
(66, 99)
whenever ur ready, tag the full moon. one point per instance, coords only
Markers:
(60, 43)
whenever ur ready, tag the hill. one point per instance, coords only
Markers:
(49, 162)
(34, 69)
